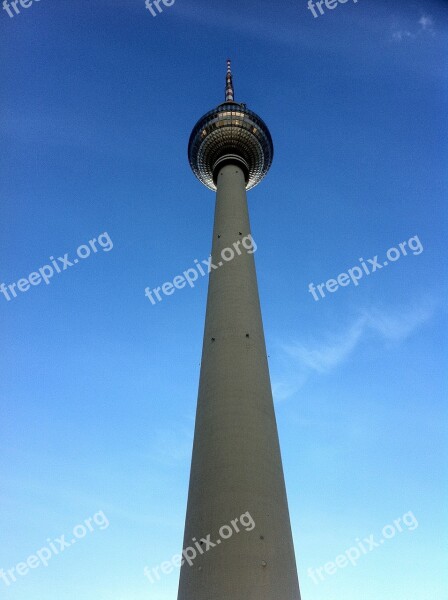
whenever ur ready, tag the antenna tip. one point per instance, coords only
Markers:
(229, 83)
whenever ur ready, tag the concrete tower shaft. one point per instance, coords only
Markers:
(236, 465)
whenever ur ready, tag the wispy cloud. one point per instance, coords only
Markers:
(402, 34)
(324, 353)
(282, 390)
(400, 325)
(426, 23)
(171, 446)
(424, 26)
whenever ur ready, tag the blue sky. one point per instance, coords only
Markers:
(98, 386)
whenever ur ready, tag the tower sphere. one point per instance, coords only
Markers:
(230, 133)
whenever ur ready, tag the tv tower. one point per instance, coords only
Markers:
(236, 465)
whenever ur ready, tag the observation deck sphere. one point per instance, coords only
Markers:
(230, 133)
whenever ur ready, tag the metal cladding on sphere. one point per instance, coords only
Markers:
(230, 133)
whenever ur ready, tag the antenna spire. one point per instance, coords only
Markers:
(229, 83)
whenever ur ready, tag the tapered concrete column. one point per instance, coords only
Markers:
(236, 465)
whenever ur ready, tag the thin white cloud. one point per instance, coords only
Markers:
(324, 356)
(171, 446)
(325, 353)
(401, 35)
(426, 23)
(425, 26)
(400, 325)
(282, 390)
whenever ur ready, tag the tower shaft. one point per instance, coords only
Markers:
(236, 465)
